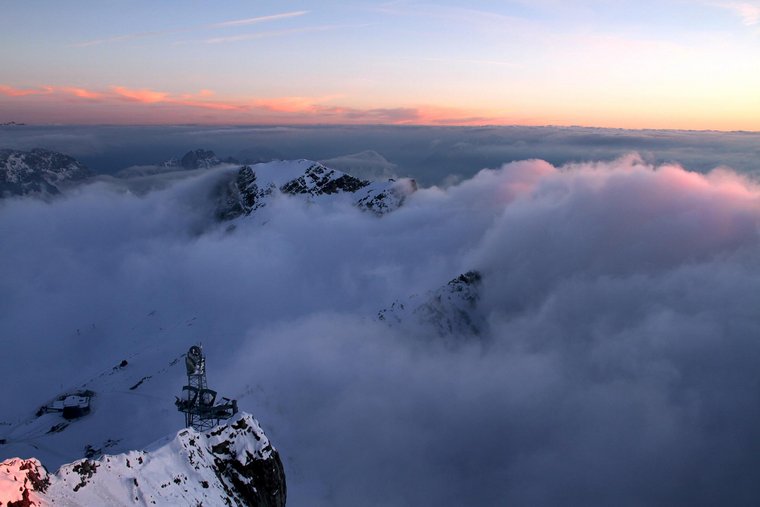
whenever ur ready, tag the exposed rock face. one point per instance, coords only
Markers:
(22, 482)
(243, 195)
(319, 180)
(451, 310)
(383, 197)
(234, 464)
(37, 172)
(253, 186)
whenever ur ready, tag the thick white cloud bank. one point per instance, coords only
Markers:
(619, 366)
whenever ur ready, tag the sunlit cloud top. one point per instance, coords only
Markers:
(632, 64)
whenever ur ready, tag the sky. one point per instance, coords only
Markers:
(676, 64)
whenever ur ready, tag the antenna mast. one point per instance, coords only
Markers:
(198, 402)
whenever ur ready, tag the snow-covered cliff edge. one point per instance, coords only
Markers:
(233, 464)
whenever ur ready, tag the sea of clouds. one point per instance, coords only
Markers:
(618, 365)
(432, 155)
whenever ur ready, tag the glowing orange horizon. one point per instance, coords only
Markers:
(123, 105)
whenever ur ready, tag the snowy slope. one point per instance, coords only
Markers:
(134, 382)
(38, 171)
(233, 464)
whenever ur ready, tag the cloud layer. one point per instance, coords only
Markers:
(432, 155)
(619, 367)
(123, 105)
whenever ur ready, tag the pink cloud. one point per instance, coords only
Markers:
(144, 95)
(82, 93)
(218, 106)
(23, 92)
(109, 106)
(436, 115)
(287, 104)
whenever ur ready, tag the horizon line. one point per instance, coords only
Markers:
(14, 124)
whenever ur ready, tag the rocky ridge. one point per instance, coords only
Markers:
(233, 464)
(251, 187)
(243, 195)
(38, 171)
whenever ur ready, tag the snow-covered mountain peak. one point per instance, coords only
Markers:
(233, 464)
(252, 186)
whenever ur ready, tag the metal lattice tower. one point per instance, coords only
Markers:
(198, 401)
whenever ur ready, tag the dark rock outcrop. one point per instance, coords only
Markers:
(319, 180)
(242, 195)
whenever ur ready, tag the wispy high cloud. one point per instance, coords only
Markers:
(474, 17)
(213, 26)
(276, 33)
(748, 11)
(259, 19)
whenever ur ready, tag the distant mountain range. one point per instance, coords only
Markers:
(240, 193)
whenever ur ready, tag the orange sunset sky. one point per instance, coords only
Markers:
(631, 64)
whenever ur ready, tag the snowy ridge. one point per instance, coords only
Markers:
(251, 187)
(38, 171)
(450, 310)
(118, 394)
(233, 464)
(22, 481)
